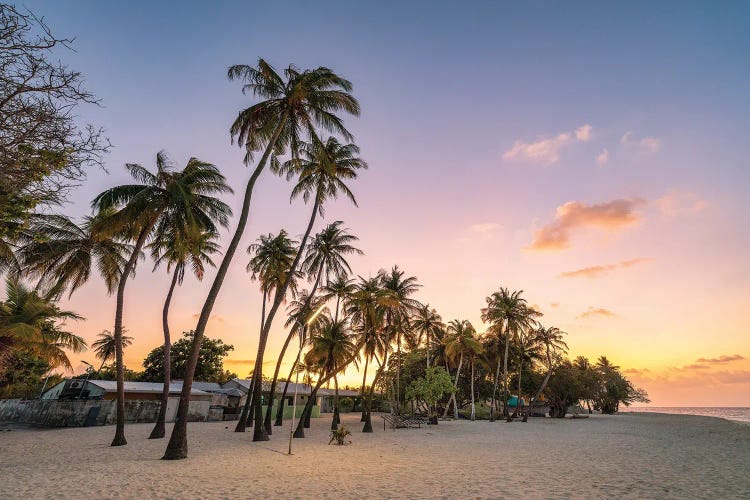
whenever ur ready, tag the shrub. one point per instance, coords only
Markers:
(340, 435)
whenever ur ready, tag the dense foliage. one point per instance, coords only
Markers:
(210, 367)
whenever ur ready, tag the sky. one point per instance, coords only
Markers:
(591, 154)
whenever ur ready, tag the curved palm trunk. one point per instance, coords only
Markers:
(177, 447)
(269, 409)
(506, 392)
(362, 391)
(496, 382)
(119, 439)
(158, 430)
(259, 433)
(368, 417)
(453, 395)
(280, 411)
(473, 406)
(335, 423)
(546, 379)
(245, 418)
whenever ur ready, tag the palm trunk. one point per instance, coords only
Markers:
(496, 382)
(398, 374)
(119, 439)
(158, 430)
(242, 423)
(335, 422)
(506, 392)
(546, 379)
(177, 447)
(280, 411)
(269, 409)
(368, 416)
(473, 407)
(362, 391)
(519, 404)
(450, 398)
(259, 433)
(458, 374)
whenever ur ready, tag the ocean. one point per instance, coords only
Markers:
(738, 414)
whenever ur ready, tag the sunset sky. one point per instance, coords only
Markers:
(592, 154)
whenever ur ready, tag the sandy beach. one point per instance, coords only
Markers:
(627, 455)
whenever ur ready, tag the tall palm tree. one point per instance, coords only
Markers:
(62, 254)
(104, 346)
(290, 106)
(507, 314)
(271, 263)
(33, 323)
(331, 344)
(397, 316)
(321, 170)
(178, 249)
(367, 307)
(460, 342)
(340, 287)
(429, 325)
(326, 257)
(524, 351)
(154, 205)
(552, 340)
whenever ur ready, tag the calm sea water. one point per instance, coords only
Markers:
(738, 414)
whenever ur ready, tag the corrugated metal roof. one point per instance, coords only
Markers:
(303, 389)
(145, 387)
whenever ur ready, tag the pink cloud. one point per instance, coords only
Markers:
(547, 151)
(599, 271)
(724, 358)
(680, 202)
(592, 312)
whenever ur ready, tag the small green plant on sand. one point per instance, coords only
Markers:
(340, 435)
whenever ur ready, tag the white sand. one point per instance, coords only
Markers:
(631, 455)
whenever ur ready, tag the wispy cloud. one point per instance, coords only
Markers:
(213, 317)
(649, 144)
(724, 358)
(547, 151)
(574, 214)
(679, 202)
(554, 304)
(599, 271)
(593, 312)
(603, 158)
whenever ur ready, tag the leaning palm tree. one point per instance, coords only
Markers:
(525, 350)
(104, 346)
(32, 322)
(179, 248)
(271, 263)
(552, 340)
(331, 344)
(321, 170)
(460, 342)
(429, 325)
(326, 257)
(290, 106)
(156, 204)
(507, 314)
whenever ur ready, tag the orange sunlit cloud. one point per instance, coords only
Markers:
(721, 359)
(602, 270)
(596, 311)
(610, 215)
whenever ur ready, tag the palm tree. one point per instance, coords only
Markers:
(179, 248)
(331, 344)
(321, 169)
(104, 346)
(507, 313)
(397, 316)
(340, 287)
(156, 204)
(552, 340)
(326, 257)
(271, 263)
(62, 254)
(33, 323)
(460, 342)
(429, 325)
(524, 351)
(367, 307)
(291, 106)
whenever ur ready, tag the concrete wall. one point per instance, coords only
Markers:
(54, 413)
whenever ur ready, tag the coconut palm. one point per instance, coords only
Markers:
(271, 263)
(340, 287)
(33, 322)
(179, 248)
(397, 316)
(321, 170)
(62, 254)
(291, 105)
(507, 314)
(154, 205)
(525, 350)
(460, 342)
(429, 325)
(326, 257)
(331, 344)
(552, 340)
(104, 346)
